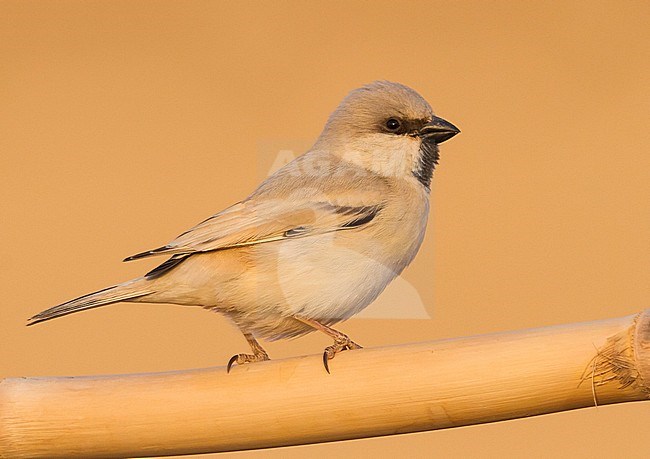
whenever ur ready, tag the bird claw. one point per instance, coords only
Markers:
(232, 360)
(341, 343)
(241, 359)
(325, 364)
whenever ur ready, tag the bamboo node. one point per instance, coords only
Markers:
(641, 349)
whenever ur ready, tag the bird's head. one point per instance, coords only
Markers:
(387, 128)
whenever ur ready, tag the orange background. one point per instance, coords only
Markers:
(124, 123)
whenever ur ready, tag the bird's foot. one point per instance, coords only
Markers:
(258, 355)
(241, 359)
(341, 343)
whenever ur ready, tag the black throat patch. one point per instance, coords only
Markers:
(427, 162)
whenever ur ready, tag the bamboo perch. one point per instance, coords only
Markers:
(370, 392)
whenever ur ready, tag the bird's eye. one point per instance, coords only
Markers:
(393, 124)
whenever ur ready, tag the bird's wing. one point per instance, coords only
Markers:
(264, 220)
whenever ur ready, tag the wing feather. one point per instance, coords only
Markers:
(261, 221)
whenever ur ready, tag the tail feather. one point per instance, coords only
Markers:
(121, 292)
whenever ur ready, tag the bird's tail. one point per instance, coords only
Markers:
(123, 292)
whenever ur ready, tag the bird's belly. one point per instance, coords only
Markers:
(325, 278)
(329, 280)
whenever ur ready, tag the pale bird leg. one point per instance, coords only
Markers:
(258, 355)
(342, 342)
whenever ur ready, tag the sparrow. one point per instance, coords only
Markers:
(317, 241)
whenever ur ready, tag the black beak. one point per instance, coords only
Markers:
(438, 130)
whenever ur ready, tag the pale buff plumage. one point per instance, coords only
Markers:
(317, 241)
